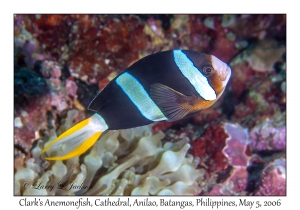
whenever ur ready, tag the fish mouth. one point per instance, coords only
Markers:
(225, 75)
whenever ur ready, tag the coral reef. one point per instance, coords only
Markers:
(262, 55)
(208, 147)
(125, 162)
(237, 147)
(238, 171)
(235, 150)
(267, 137)
(273, 179)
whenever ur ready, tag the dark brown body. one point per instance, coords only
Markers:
(117, 109)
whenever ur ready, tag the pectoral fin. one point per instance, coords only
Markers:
(172, 103)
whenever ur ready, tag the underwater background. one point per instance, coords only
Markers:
(235, 147)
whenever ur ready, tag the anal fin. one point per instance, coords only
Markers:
(172, 103)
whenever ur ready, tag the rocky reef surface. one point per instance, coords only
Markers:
(236, 147)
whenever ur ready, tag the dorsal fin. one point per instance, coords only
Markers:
(172, 103)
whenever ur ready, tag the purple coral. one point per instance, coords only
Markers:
(236, 152)
(236, 145)
(30, 49)
(267, 137)
(71, 87)
(238, 181)
(273, 179)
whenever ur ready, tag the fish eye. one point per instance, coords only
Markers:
(208, 70)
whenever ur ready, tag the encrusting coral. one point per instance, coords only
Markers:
(125, 162)
(62, 61)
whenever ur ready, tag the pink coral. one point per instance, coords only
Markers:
(239, 180)
(33, 120)
(71, 87)
(236, 145)
(273, 179)
(216, 190)
(236, 152)
(267, 137)
(236, 184)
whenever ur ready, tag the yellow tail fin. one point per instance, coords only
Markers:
(77, 139)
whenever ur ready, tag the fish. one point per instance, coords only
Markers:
(169, 85)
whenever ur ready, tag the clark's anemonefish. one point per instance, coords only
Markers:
(168, 85)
